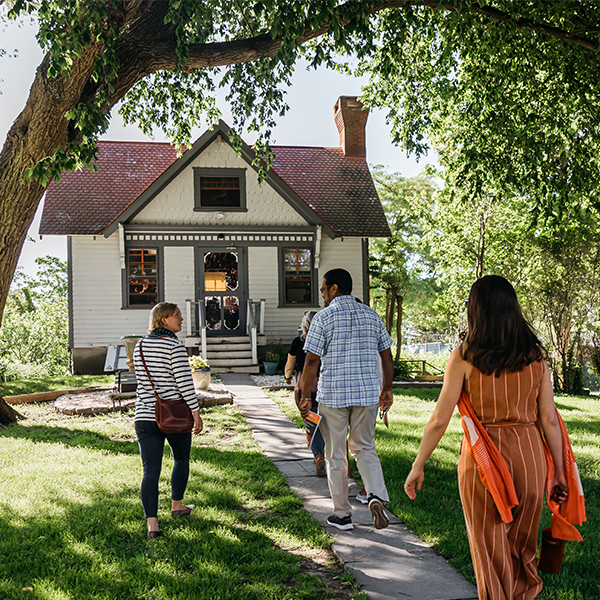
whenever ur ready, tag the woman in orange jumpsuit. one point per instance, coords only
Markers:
(501, 367)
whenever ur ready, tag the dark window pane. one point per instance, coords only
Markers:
(142, 276)
(232, 312)
(213, 312)
(220, 191)
(220, 272)
(297, 275)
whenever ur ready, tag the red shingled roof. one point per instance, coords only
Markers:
(85, 202)
(339, 190)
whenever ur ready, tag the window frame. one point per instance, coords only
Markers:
(125, 277)
(203, 172)
(314, 302)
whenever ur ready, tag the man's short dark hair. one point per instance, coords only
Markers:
(341, 277)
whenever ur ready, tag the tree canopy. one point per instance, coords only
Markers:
(512, 86)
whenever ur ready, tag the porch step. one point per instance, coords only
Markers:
(230, 362)
(228, 339)
(217, 348)
(192, 341)
(249, 369)
(232, 354)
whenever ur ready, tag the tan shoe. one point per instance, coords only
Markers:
(320, 464)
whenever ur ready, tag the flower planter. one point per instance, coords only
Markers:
(201, 378)
(271, 368)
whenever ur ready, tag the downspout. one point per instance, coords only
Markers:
(122, 245)
(318, 247)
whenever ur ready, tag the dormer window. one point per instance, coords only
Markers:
(222, 190)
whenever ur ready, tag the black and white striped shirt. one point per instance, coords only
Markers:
(167, 361)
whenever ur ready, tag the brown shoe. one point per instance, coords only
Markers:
(184, 511)
(320, 464)
(154, 534)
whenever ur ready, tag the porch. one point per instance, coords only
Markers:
(225, 353)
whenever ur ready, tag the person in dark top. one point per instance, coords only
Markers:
(295, 363)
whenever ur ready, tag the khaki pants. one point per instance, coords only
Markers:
(360, 420)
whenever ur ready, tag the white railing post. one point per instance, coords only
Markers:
(203, 340)
(188, 309)
(261, 324)
(202, 329)
(254, 347)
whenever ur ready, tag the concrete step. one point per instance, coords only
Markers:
(254, 369)
(227, 347)
(230, 362)
(212, 356)
(228, 339)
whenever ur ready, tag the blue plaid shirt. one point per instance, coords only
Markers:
(347, 336)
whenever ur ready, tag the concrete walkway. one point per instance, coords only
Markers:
(388, 563)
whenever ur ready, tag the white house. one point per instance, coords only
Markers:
(148, 226)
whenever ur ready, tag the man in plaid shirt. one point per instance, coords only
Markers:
(345, 339)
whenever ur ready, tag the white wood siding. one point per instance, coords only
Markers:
(179, 278)
(343, 253)
(98, 319)
(281, 324)
(175, 204)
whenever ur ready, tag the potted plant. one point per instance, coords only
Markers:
(200, 372)
(271, 363)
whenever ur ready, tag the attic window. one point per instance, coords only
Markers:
(219, 189)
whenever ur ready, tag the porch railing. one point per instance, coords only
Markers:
(200, 321)
(255, 325)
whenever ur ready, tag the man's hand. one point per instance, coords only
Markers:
(386, 399)
(305, 406)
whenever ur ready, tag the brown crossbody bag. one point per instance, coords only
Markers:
(172, 416)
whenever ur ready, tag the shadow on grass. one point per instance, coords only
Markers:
(69, 437)
(95, 546)
(100, 551)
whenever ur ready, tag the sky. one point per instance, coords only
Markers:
(309, 122)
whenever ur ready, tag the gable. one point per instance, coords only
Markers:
(174, 205)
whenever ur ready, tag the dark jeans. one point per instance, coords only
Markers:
(151, 441)
(318, 443)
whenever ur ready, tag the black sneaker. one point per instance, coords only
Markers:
(339, 522)
(380, 518)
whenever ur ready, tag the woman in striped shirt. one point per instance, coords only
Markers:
(501, 366)
(167, 362)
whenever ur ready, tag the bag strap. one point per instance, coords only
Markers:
(148, 372)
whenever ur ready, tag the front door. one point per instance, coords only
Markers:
(222, 288)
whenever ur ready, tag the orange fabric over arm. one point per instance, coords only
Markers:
(491, 467)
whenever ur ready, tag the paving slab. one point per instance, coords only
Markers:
(295, 468)
(390, 563)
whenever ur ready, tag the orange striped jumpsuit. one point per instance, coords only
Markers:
(504, 554)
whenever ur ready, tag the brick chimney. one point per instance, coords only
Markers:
(351, 120)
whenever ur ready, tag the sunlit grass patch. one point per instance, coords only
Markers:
(71, 522)
(437, 517)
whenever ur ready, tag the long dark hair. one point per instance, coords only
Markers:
(499, 338)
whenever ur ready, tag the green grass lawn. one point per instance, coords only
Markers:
(49, 384)
(436, 515)
(72, 526)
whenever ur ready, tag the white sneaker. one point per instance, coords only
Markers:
(362, 498)
(352, 485)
